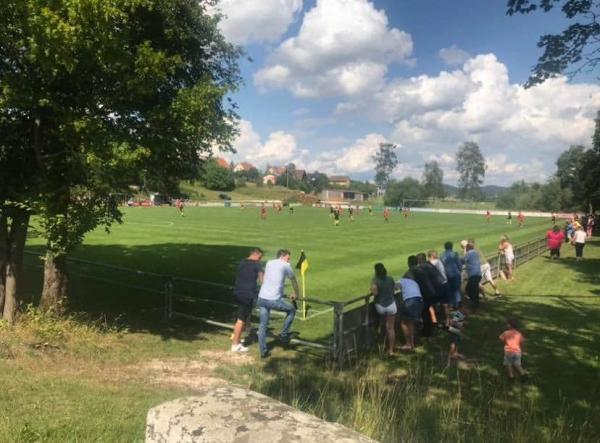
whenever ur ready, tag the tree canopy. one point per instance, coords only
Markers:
(433, 180)
(405, 189)
(104, 94)
(386, 161)
(573, 50)
(471, 166)
(216, 177)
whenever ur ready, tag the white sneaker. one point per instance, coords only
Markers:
(239, 348)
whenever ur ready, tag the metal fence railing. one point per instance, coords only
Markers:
(355, 320)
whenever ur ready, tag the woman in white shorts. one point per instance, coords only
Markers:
(506, 249)
(383, 288)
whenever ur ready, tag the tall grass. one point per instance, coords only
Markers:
(423, 403)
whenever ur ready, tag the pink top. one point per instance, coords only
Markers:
(555, 239)
(512, 340)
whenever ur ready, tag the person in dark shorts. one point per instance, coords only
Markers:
(336, 217)
(245, 289)
(412, 305)
(427, 293)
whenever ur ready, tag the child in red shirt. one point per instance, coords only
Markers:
(513, 340)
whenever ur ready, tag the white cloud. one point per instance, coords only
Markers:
(257, 20)
(343, 48)
(453, 55)
(499, 168)
(355, 158)
(279, 148)
(521, 131)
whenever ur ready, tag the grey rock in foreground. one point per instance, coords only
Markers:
(230, 414)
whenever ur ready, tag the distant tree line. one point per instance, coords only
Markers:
(575, 186)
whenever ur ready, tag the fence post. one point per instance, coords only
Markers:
(338, 332)
(168, 299)
(367, 328)
(498, 267)
(529, 250)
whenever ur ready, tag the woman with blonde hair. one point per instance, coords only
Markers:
(506, 249)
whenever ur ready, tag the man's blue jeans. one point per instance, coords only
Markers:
(265, 307)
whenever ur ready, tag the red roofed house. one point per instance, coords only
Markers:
(269, 179)
(244, 166)
(300, 174)
(222, 162)
(276, 170)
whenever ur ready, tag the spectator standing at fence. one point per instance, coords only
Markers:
(437, 274)
(412, 306)
(506, 250)
(555, 238)
(271, 296)
(486, 271)
(513, 341)
(452, 266)
(427, 292)
(578, 241)
(383, 288)
(245, 288)
(473, 268)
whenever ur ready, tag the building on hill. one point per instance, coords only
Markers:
(341, 195)
(243, 167)
(276, 170)
(300, 175)
(222, 162)
(340, 180)
(269, 179)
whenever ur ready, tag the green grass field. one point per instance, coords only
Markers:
(208, 243)
(95, 386)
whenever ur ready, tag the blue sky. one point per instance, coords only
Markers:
(330, 79)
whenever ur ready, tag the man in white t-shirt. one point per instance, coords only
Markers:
(271, 297)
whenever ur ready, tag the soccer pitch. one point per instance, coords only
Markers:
(208, 243)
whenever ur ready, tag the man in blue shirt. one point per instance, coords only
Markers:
(473, 267)
(271, 297)
(452, 266)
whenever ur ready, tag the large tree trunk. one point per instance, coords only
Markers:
(54, 294)
(13, 263)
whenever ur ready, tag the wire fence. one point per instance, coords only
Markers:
(355, 320)
(97, 286)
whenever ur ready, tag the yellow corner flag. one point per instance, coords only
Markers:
(303, 266)
(302, 263)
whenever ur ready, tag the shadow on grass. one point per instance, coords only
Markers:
(587, 270)
(137, 300)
